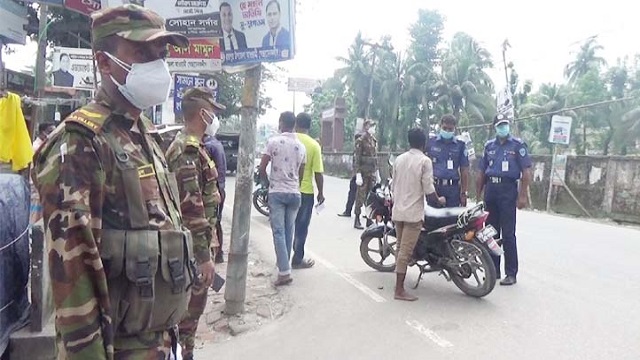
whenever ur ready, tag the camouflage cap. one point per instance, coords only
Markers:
(135, 23)
(369, 122)
(202, 93)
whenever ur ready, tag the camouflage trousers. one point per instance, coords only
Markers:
(145, 346)
(368, 182)
(189, 323)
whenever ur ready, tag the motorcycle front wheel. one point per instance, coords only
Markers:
(261, 202)
(378, 253)
(475, 263)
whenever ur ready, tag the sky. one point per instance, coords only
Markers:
(544, 35)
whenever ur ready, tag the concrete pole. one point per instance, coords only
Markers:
(235, 292)
(41, 73)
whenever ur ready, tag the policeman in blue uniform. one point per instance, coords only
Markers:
(450, 163)
(505, 163)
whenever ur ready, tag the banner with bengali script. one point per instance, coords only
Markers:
(182, 82)
(73, 68)
(202, 56)
(85, 7)
(256, 31)
(192, 18)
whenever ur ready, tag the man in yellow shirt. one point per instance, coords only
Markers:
(312, 169)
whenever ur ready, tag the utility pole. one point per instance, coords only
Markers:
(505, 46)
(235, 292)
(41, 73)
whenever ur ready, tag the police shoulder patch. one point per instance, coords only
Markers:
(523, 152)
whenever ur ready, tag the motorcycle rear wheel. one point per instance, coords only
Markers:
(261, 203)
(461, 273)
(384, 251)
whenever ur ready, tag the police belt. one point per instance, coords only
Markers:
(500, 180)
(446, 182)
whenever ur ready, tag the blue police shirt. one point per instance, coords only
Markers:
(447, 157)
(506, 160)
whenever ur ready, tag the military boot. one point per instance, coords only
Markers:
(357, 224)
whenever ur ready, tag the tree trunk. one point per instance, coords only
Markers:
(584, 139)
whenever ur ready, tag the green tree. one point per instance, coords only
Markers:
(586, 60)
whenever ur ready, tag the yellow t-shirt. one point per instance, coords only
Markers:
(313, 164)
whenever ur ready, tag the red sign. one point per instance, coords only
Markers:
(85, 7)
(198, 49)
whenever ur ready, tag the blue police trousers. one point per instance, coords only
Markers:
(451, 193)
(501, 202)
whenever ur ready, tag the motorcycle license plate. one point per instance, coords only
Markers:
(487, 233)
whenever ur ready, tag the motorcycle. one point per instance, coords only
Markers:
(377, 204)
(260, 194)
(454, 242)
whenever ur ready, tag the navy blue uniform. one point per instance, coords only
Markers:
(447, 156)
(502, 165)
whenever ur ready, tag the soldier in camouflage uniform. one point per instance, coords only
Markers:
(196, 174)
(120, 261)
(365, 167)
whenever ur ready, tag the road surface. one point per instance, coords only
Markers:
(576, 298)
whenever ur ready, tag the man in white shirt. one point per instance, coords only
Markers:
(232, 39)
(412, 179)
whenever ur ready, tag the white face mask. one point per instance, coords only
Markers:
(147, 84)
(212, 128)
(372, 130)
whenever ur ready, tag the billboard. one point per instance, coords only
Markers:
(256, 31)
(85, 7)
(202, 55)
(73, 68)
(192, 18)
(14, 18)
(182, 82)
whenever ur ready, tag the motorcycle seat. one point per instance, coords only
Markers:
(435, 218)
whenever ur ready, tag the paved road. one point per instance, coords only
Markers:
(577, 298)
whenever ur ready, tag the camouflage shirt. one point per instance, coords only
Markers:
(85, 187)
(196, 175)
(365, 155)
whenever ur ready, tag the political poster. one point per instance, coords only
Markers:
(560, 131)
(181, 82)
(504, 103)
(202, 56)
(192, 18)
(256, 31)
(303, 84)
(85, 7)
(73, 68)
(14, 18)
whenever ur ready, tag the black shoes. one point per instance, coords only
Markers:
(357, 224)
(219, 259)
(345, 214)
(509, 280)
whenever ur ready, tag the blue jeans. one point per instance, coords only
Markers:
(283, 208)
(302, 227)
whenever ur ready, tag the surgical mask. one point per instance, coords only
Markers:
(502, 130)
(447, 135)
(213, 126)
(147, 84)
(372, 130)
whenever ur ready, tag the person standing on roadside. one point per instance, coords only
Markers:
(412, 180)
(353, 189)
(505, 161)
(216, 153)
(287, 157)
(120, 258)
(366, 167)
(313, 170)
(196, 175)
(450, 163)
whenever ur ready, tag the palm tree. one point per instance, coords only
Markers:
(586, 60)
(356, 73)
(464, 85)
